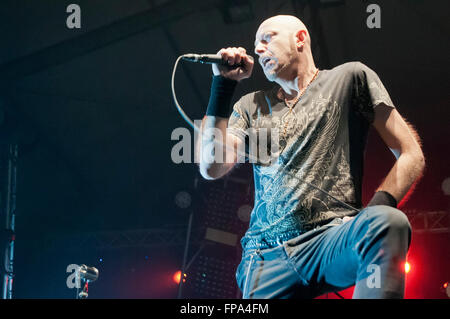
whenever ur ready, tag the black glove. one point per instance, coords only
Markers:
(383, 198)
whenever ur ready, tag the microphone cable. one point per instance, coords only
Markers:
(198, 130)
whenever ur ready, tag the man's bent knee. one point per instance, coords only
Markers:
(390, 218)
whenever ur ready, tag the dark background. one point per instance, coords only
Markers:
(92, 111)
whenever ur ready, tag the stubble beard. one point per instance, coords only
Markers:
(271, 76)
(274, 73)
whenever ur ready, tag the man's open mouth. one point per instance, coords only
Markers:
(264, 61)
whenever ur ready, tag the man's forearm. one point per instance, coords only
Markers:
(212, 154)
(407, 170)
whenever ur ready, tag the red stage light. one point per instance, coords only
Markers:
(446, 289)
(177, 276)
(407, 267)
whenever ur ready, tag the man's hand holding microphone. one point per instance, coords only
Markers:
(237, 64)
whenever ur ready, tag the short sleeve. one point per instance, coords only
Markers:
(238, 122)
(368, 92)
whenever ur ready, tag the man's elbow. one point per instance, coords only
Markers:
(209, 172)
(207, 175)
(416, 151)
(418, 159)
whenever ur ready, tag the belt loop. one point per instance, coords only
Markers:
(258, 249)
(279, 241)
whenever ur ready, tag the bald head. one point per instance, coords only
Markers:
(285, 21)
(286, 25)
(284, 48)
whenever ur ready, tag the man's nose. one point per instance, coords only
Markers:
(259, 49)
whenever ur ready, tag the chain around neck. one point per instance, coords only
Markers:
(291, 104)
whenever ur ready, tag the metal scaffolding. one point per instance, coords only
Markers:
(8, 210)
(429, 222)
(168, 236)
(175, 235)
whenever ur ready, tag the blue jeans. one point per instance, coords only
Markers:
(367, 251)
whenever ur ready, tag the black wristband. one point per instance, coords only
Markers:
(383, 198)
(222, 90)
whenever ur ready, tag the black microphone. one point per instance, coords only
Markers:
(207, 58)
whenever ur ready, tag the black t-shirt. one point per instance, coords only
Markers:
(323, 141)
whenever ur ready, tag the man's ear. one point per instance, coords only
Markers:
(300, 38)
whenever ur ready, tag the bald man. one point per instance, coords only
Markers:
(309, 233)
